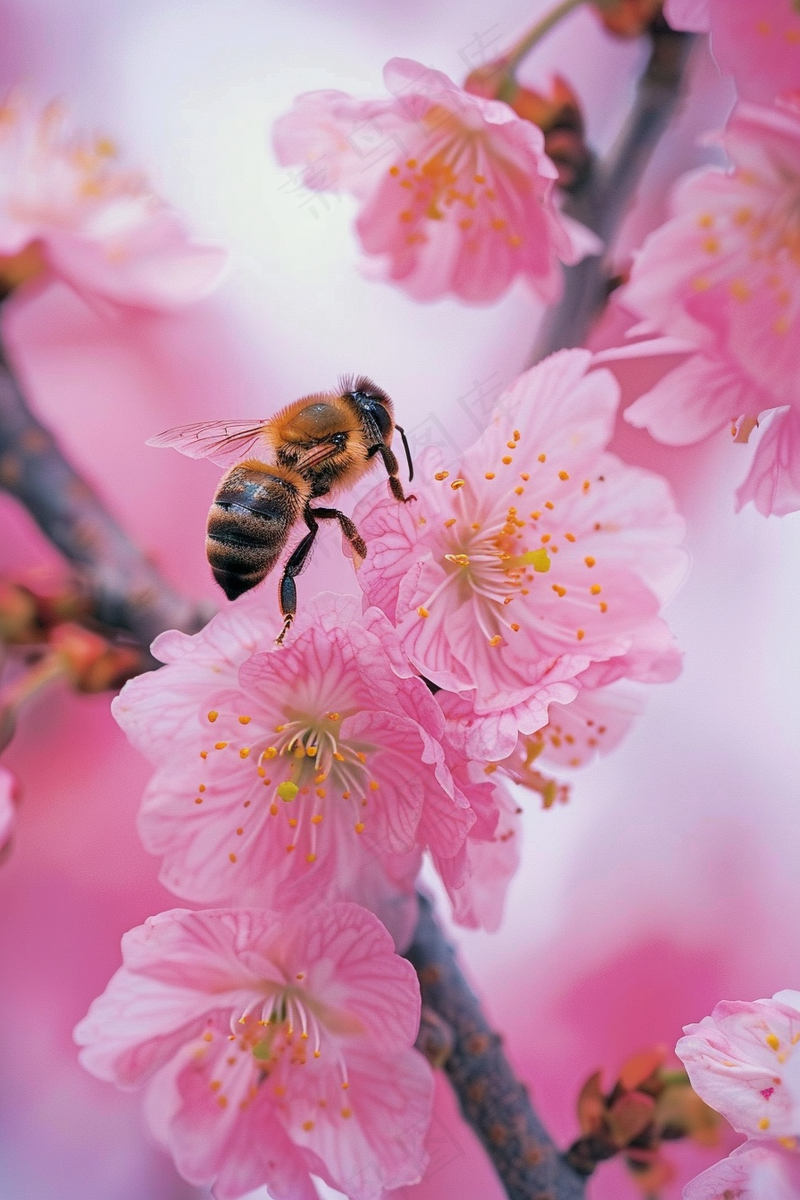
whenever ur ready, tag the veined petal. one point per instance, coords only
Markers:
(304, 1062)
(736, 1060)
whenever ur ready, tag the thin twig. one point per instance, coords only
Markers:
(492, 1100)
(602, 201)
(127, 592)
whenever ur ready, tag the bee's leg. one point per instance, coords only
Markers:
(294, 565)
(390, 462)
(347, 527)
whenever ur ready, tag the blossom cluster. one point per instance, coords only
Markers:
(743, 1061)
(505, 611)
(456, 196)
(719, 282)
(510, 613)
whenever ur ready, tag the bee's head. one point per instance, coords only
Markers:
(371, 401)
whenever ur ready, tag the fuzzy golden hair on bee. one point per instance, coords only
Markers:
(279, 473)
(311, 420)
(348, 384)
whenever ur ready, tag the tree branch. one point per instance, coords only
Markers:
(602, 200)
(493, 1101)
(126, 590)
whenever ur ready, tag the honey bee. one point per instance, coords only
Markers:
(321, 444)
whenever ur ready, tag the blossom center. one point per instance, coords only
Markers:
(491, 551)
(279, 1022)
(315, 752)
(308, 769)
(452, 181)
(281, 1027)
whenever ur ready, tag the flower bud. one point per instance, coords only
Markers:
(560, 117)
(491, 80)
(646, 1106)
(628, 18)
(27, 263)
(91, 662)
(18, 617)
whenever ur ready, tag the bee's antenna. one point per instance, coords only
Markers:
(402, 433)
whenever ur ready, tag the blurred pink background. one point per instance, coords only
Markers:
(670, 879)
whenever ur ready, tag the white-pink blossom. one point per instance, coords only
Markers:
(67, 209)
(755, 1171)
(738, 1058)
(455, 189)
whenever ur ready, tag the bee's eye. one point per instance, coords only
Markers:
(377, 410)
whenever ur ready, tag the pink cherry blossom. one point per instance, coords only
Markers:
(67, 209)
(7, 809)
(737, 1061)
(274, 1045)
(595, 722)
(534, 557)
(755, 1171)
(757, 41)
(455, 189)
(296, 771)
(722, 276)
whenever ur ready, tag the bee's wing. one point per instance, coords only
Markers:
(224, 442)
